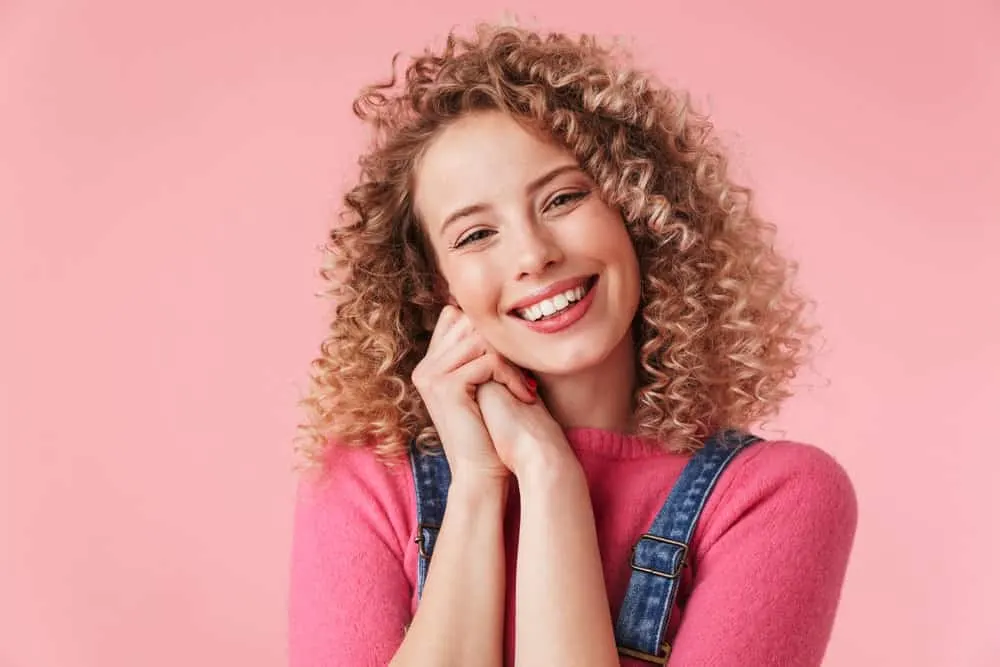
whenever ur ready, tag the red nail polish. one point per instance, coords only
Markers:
(532, 385)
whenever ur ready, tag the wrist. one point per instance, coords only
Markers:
(544, 464)
(473, 485)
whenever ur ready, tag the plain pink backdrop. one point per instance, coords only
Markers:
(167, 171)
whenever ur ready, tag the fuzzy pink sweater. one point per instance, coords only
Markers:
(769, 553)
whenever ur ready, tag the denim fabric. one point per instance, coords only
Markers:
(650, 596)
(431, 479)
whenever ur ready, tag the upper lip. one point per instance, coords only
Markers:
(549, 292)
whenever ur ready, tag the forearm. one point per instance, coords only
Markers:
(563, 616)
(460, 617)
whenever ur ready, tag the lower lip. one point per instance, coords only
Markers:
(565, 318)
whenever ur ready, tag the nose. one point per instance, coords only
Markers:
(535, 249)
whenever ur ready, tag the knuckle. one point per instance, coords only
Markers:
(421, 375)
(445, 317)
(418, 382)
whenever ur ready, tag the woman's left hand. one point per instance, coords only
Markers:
(525, 435)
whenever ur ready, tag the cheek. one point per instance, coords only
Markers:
(613, 240)
(474, 290)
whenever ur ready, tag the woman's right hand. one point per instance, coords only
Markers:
(458, 360)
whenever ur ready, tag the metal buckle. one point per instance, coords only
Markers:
(646, 657)
(420, 536)
(657, 573)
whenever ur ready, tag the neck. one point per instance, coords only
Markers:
(600, 397)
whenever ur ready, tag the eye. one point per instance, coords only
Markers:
(472, 237)
(565, 199)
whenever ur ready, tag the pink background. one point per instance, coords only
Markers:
(167, 171)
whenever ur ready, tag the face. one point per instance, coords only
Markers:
(542, 266)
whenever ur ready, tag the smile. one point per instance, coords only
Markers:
(560, 309)
(556, 304)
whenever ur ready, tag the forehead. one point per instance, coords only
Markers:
(479, 158)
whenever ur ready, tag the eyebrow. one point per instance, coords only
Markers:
(536, 184)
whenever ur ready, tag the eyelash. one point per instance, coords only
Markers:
(569, 196)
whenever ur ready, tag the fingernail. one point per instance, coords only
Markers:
(532, 385)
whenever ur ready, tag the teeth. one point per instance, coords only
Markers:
(554, 305)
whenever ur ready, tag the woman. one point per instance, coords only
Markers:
(546, 273)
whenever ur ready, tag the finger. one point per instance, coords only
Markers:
(515, 380)
(512, 377)
(457, 350)
(476, 372)
(491, 367)
(449, 317)
(490, 396)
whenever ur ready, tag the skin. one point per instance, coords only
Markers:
(527, 217)
(520, 240)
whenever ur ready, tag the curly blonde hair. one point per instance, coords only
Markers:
(720, 330)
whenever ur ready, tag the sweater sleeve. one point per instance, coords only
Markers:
(770, 561)
(349, 596)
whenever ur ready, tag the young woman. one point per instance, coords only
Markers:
(546, 274)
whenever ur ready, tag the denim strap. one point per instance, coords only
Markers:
(431, 479)
(659, 555)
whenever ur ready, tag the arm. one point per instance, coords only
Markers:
(563, 616)
(350, 590)
(460, 617)
(770, 563)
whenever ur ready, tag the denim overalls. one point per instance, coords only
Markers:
(657, 557)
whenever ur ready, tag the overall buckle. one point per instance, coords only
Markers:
(663, 540)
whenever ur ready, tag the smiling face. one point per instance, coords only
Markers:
(542, 266)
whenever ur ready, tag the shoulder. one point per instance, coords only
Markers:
(770, 557)
(796, 487)
(802, 467)
(352, 487)
(351, 549)
(351, 469)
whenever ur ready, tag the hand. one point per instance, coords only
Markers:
(458, 360)
(526, 436)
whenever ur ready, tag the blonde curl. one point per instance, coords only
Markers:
(720, 330)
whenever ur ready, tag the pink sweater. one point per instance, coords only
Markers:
(770, 553)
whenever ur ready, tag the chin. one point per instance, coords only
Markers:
(568, 358)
